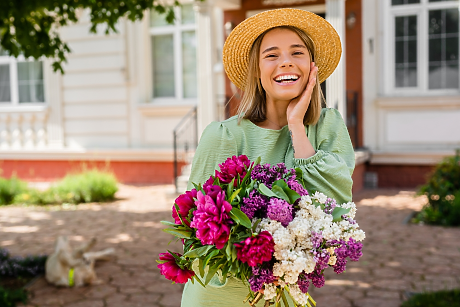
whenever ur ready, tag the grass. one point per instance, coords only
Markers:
(446, 298)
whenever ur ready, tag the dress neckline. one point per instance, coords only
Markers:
(266, 129)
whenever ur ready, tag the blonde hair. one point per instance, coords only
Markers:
(253, 103)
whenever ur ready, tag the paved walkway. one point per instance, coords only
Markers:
(398, 258)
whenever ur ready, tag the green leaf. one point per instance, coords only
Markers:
(257, 222)
(338, 212)
(198, 280)
(228, 251)
(292, 195)
(238, 216)
(264, 190)
(225, 272)
(198, 252)
(211, 273)
(234, 195)
(257, 161)
(208, 257)
(234, 254)
(177, 211)
(201, 267)
(168, 223)
(183, 234)
(230, 187)
(280, 193)
(197, 187)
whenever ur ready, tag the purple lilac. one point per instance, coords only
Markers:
(303, 283)
(280, 210)
(329, 205)
(267, 174)
(322, 258)
(253, 204)
(355, 249)
(296, 186)
(260, 277)
(340, 265)
(316, 239)
(317, 279)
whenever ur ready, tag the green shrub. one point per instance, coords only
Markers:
(90, 186)
(449, 298)
(10, 297)
(443, 192)
(9, 188)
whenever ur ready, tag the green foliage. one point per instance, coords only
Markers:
(90, 186)
(9, 297)
(30, 27)
(443, 192)
(85, 187)
(450, 298)
(9, 188)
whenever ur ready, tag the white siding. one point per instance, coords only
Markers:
(96, 94)
(94, 89)
(95, 111)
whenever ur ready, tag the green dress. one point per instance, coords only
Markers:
(328, 171)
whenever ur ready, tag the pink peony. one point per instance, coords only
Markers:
(185, 202)
(172, 271)
(232, 167)
(211, 219)
(256, 250)
(212, 190)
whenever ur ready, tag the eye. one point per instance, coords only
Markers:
(298, 53)
(271, 56)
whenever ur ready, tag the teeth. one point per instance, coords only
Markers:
(287, 77)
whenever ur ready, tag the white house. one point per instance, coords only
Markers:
(123, 94)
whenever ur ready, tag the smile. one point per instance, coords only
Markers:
(286, 79)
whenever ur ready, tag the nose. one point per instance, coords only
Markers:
(286, 61)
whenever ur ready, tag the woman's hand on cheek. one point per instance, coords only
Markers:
(299, 105)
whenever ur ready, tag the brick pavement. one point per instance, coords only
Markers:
(398, 258)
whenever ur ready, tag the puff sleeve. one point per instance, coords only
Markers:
(216, 145)
(329, 170)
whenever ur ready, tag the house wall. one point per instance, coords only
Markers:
(100, 110)
(407, 133)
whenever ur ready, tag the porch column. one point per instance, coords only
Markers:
(207, 106)
(335, 88)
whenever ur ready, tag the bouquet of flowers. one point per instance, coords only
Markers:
(259, 224)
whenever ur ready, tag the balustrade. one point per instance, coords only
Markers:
(25, 130)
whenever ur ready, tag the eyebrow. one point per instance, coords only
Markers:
(276, 48)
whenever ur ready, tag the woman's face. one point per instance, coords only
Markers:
(284, 64)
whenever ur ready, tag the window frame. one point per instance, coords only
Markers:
(176, 30)
(421, 10)
(14, 84)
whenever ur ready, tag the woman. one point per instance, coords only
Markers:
(278, 58)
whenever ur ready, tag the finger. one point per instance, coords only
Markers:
(311, 82)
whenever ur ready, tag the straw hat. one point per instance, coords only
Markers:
(238, 44)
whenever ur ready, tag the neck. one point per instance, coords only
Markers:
(276, 113)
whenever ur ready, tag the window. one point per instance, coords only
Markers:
(423, 47)
(174, 55)
(21, 81)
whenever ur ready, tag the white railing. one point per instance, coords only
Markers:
(24, 130)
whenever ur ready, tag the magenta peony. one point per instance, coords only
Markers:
(211, 219)
(172, 271)
(256, 250)
(212, 190)
(232, 167)
(185, 202)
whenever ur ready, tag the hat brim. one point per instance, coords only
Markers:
(328, 48)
